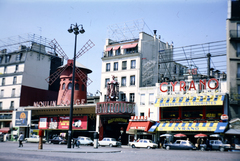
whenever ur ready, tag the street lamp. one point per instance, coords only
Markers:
(76, 31)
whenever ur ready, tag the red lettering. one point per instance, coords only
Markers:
(162, 85)
(173, 85)
(202, 82)
(213, 79)
(192, 85)
(182, 87)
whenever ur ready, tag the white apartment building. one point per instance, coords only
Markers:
(24, 66)
(134, 63)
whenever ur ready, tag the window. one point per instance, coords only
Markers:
(16, 68)
(142, 114)
(123, 96)
(110, 53)
(192, 112)
(214, 112)
(131, 96)
(83, 87)
(12, 104)
(169, 113)
(2, 93)
(115, 66)
(14, 80)
(142, 99)
(76, 86)
(133, 64)
(132, 50)
(7, 58)
(238, 49)
(13, 92)
(238, 89)
(3, 81)
(107, 67)
(0, 104)
(175, 69)
(1, 58)
(124, 65)
(63, 86)
(117, 52)
(106, 81)
(18, 57)
(132, 80)
(151, 98)
(123, 81)
(5, 70)
(70, 86)
(238, 71)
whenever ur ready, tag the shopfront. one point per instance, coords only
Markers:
(54, 120)
(113, 118)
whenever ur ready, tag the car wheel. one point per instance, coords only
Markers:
(221, 149)
(99, 145)
(50, 142)
(133, 146)
(26, 141)
(202, 149)
(110, 145)
(148, 147)
(167, 147)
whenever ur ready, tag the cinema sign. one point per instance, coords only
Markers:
(115, 108)
(182, 85)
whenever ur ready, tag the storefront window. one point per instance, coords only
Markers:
(192, 112)
(214, 112)
(169, 113)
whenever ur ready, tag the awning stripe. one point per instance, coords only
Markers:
(108, 49)
(129, 46)
(116, 47)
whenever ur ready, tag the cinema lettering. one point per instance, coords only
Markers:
(115, 108)
(181, 85)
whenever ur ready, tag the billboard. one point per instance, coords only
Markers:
(21, 118)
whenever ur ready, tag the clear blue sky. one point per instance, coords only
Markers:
(184, 22)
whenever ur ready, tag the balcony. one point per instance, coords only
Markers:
(234, 35)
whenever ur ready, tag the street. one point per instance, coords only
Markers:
(9, 151)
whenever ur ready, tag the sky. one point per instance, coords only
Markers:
(183, 22)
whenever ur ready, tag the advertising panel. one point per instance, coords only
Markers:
(21, 118)
(53, 122)
(63, 123)
(43, 124)
(79, 123)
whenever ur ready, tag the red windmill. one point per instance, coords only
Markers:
(65, 74)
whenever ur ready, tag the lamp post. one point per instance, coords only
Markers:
(76, 31)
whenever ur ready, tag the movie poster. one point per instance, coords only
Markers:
(43, 124)
(53, 122)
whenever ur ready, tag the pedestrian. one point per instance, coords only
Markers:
(198, 143)
(226, 141)
(202, 141)
(207, 144)
(20, 139)
(77, 143)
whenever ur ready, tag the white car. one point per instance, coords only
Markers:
(85, 140)
(109, 142)
(34, 139)
(143, 143)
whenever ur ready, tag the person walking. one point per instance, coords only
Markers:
(20, 139)
(198, 143)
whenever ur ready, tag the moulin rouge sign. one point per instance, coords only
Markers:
(182, 85)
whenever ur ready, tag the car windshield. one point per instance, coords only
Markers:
(113, 139)
(88, 138)
(150, 141)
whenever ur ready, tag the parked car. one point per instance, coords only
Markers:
(180, 144)
(109, 142)
(215, 145)
(57, 140)
(85, 140)
(143, 143)
(34, 139)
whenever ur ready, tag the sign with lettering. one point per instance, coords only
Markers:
(115, 108)
(43, 123)
(138, 118)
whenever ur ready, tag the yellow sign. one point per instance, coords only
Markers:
(187, 127)
(210, 100)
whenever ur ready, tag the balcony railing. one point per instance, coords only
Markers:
(235, 34)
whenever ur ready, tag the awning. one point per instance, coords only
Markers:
(108, 49)
(129, 46)
(221, 127)
(233, 131)
(5, 129)
(187, 126)
(153, 128)
(210, 100)
(116, 47)
(138, 125)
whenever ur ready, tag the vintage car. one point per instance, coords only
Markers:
(143, 143)
(109, 142)
(83, 140)
(215, 145)
(57, 140)
(34, 139)
(181, 145)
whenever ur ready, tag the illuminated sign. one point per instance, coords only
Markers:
(182, 85)
(54, 103)
(115, 108)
